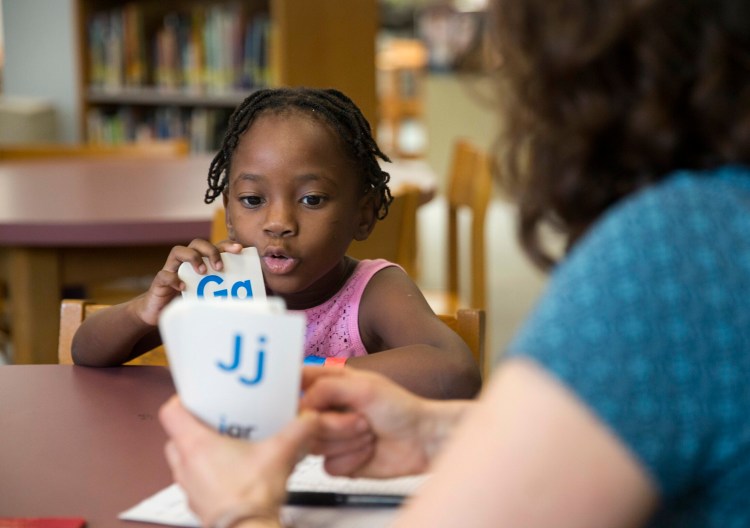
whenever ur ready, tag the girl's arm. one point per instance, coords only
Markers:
(122, 332)
(113, 336)
(409, 344)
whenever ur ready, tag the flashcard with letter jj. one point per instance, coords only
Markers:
(236, 365)
(241, 278)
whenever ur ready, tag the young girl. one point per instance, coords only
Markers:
(299, 176)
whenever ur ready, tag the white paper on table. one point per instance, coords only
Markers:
(309, 475)
(169, 506)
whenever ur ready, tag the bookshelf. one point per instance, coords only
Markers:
(176, 68)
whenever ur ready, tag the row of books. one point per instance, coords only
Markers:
(204, 127)
(210, 48)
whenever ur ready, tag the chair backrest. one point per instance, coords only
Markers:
(394, 238)
(469, 186)
(72, 314)
(469, 324)
(218, 226)
(149, 149)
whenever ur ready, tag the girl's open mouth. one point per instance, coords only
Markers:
(279, 264)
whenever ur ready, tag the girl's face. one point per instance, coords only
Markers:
(296, 197)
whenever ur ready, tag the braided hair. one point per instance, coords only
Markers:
(329, 105)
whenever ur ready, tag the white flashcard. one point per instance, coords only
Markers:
(236, 365)
(241, 278)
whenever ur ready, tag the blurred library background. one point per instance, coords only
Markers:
(121, 71)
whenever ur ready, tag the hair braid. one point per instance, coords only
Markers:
(330, 105)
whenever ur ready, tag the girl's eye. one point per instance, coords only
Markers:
(251, 201)
(312, 200)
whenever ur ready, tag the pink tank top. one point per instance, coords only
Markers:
(333, 327)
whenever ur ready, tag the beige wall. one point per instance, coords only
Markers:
(461, 106)
(457, 106)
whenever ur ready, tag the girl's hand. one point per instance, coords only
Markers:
(167, 285)
(224, 477)
(371, 427)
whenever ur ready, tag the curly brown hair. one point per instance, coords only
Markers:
(600, 98)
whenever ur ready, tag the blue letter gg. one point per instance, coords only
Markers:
(236, 287)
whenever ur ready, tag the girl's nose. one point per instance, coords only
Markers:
(280, 221)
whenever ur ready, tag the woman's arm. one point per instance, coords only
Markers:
(531, 454)
(372, 427)
(409, 343)
(238, 483)
(528, 454)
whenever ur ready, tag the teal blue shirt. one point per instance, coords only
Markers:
(648, 321)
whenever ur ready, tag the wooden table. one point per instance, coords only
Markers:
(80, 442)
(86, 442)
(78, 221)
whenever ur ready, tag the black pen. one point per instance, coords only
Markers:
(359, 500)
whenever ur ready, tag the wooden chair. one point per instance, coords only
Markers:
(394, 238)
(470, 325)
(72, 314)
(467, 323)
(469, 187)
(218, 226)
(152, 149)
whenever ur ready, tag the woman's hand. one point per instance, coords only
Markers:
(371, 427)
(227, 477)
(167, 285)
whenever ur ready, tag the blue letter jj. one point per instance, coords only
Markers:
(237, 358)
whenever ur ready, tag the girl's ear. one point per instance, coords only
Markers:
(227, 217)
(367, 217)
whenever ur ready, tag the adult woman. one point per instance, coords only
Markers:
(622, 399)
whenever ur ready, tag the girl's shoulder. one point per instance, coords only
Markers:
(372, 266)
(367, 269)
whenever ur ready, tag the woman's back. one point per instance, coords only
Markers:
(647, 321)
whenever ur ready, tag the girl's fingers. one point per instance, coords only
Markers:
(203, 248)
(229, 246)
(180, 254)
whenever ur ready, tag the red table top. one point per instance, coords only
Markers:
(96, 202)
(81, 442)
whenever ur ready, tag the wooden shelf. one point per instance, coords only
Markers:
(321, 43)
(150, 96)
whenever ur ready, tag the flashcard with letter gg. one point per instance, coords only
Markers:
(241, 278)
